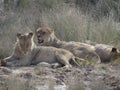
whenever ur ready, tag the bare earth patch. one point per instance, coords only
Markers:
(100, 77)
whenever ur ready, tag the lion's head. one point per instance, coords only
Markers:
(25, 42)
(44, 34)
(115, 53)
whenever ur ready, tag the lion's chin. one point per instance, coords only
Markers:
(40, 41)
(41, 44)
(25, 53)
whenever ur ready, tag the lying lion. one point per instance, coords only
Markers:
(26, 53)
(107, 52)
(46, 37)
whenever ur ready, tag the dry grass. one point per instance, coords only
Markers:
(69, 24)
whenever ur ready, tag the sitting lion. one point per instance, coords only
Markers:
(46, 37)
(27, 53)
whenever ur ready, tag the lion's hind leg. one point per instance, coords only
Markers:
(64, 60)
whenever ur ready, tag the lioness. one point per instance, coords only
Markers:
(27, 53)
(107, 52)
(46, 36)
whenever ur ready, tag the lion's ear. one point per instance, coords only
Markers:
(37, 30)
(18, 35)
(30, 34)
(114, 49)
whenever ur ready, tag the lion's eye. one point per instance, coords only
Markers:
(43, 33)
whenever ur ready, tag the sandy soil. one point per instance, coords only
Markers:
(99, 77)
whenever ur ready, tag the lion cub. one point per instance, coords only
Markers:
(27, 53)
(46, 37)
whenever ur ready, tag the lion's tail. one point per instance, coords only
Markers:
(75, 60)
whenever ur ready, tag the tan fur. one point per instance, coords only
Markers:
(46, 37)
(107, 52)
(22, 51)
(27, 53)
(2, 63)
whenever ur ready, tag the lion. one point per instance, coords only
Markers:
(46, 37)
(22, 51)
(27, 53)
(107, 52)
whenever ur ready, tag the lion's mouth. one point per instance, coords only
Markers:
(40, 41)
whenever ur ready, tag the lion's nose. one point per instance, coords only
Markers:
(25, 52)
